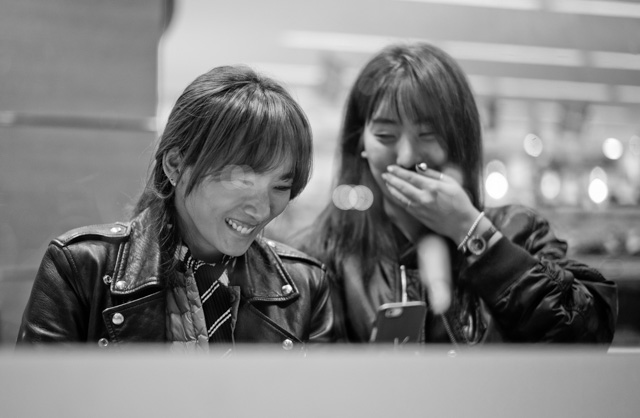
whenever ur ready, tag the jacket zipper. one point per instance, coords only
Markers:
(447, 328)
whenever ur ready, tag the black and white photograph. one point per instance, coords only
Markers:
(337, 208)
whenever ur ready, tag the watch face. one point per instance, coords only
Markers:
(476, 245)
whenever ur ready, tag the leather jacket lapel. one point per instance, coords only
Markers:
(137, 291)
(265, 285)
(138, 263)
(262, 277)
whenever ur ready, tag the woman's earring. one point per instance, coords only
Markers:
(363, 154)
(172, 181)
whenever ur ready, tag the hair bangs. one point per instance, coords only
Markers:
(267, 132)
(275, 131)
(407, 99)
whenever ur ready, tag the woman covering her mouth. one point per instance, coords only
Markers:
(412, 136)
(191, 267)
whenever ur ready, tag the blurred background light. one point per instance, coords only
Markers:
(598, 188)
(496, 185)
(598, 173)
(634, 145)
(365, 197)
(550, 185)
(612, 148)
(349, 197)
(342, 197)
(496, 166)
(533, 145)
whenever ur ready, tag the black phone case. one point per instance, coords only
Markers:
(399, 322)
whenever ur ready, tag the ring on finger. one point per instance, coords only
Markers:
(441, 176)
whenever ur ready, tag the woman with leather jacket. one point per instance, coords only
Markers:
(412, 136)
(235, 151)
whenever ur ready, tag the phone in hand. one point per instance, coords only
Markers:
(399, 322)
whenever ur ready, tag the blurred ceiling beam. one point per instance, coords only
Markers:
(468, 50)
(478, 24)
(586, 7)
(503, 70)
(486, 85)
(568, 50)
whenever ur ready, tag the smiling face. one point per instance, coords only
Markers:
(235, 150)
(421, 96)
(225, 212)
(389, 138)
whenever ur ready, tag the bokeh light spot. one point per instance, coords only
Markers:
(612, 148)
(349, 197)
(598, 190)
(496, 185)
(598, 173)
(533, 145)
(550, 185)
(496, 166)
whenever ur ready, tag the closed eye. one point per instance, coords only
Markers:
(284, 187)
(428, 136)
(385, 137)
(284, 183)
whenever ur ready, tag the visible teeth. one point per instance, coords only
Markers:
(242, 229)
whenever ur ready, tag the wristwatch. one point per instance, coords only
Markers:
(476, 245)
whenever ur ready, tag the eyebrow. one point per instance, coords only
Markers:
(388, 121)
(385, 121)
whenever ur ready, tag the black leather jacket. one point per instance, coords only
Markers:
(522, 290)
(90, 274)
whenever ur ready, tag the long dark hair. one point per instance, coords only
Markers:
(229, 116)
(414, 79)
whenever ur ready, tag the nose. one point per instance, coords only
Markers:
(406, 155)
(258, 204)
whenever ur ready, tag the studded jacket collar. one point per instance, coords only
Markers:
(104, 284)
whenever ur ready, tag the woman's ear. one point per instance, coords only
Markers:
(171, 162)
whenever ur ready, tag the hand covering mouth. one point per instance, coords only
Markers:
(240, 227)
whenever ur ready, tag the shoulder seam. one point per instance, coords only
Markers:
(284, 251)
(106, 232)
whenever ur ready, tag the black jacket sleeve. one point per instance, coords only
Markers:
(55, 311)
(534, 292)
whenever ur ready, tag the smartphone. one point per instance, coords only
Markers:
(399, 322)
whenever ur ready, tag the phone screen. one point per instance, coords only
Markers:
(399, 323)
